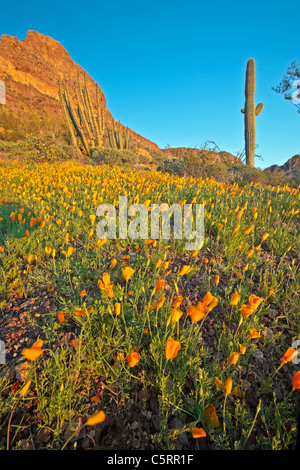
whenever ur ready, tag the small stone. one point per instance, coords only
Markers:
(44, 435)
(68, 431)
(85, 443)
(26, 444)
(246, 385)
(136, 443)
(268, 333)
(134, 425)
(22, 371)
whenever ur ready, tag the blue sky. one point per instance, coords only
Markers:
(175, 71)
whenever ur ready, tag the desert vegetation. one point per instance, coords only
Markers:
(141, 344)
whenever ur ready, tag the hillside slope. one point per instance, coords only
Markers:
(31, 70)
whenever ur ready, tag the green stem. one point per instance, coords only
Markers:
(224, 421)
(254, 420)
(9, 422)
(72, 435)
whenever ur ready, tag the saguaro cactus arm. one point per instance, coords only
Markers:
(259, 109)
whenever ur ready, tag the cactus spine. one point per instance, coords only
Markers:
(250, 112)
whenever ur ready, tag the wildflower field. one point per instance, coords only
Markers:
(142, 344)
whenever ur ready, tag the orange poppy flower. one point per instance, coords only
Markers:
(211, 416)
(160, 285)
(177, 301)
(101, 242)
(24, 389)
(209, 301)
(96, 418)
(159, 303)
(235, 298)
(117, 308)
(264, 237)
(185, 270)
(254, 333)
(246, 232)
(172, 348)
(198, 432)
(60, 316)
(218, 382)
(227, 387)
(38, 343)
(255, 301)
(296, 380)
(289, 355)
(233, 358)
(106, 285)
(113, 263)
(32, 354)
(79, 312)
(133, 358)
(176, 314)
(197, 312)
(128, 273)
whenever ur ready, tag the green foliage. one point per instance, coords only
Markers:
(43, 148)
(15, 126)
(288, 87)
(110, 156)
(193, 166)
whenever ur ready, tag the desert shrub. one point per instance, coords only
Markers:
(243, 174)
(109, 156)
(44, 147)
(172, 166)
(200, 167)
(195, 166)
(15, 126)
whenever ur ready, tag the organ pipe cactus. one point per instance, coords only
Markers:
(250, 112)
(118, 138)
(85, 125)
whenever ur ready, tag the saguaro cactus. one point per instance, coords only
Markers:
(250, 112)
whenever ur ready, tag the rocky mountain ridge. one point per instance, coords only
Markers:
(31, 70)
